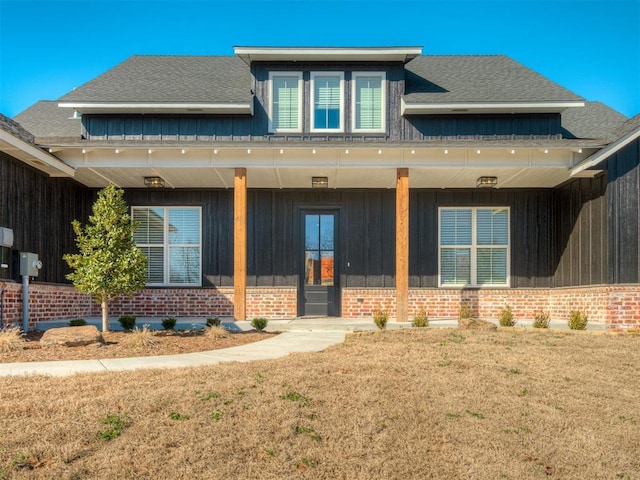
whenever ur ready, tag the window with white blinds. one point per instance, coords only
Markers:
(369, 102)
(286, 102)
(474, 246)
(327, 101)
(170, 239)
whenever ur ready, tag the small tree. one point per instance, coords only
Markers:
(109, 263)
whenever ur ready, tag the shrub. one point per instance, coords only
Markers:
(465, 312)
(380, 317)
(214, 332)
(506, 317)
(78, 322)
(142, 338)
(421, 319)
(578, 320)
(11, 338)
(541, 320)
(128, 322)
(213, 322)
(169, 323)
(259, 323)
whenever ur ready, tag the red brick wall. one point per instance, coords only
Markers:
(616, 305)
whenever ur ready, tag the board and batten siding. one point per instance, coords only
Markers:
(623, 195)
(39, 209)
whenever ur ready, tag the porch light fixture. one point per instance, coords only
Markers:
(320, 182)
(154, 182)
(149, 151)
(487, 182)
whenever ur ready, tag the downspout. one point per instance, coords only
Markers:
(25, 303)
(2, 308)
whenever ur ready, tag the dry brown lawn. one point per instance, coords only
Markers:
(118, 344)
(421, 403)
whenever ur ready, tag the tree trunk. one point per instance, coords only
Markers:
(105, 316)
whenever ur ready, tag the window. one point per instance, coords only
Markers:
(474, 246)
(286, 102)
(327, 102)
(369, 102)
(170, 239)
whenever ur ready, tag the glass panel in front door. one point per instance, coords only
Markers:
(319, 250)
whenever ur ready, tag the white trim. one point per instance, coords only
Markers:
(37, 154)
(383, 113)
(607, 151)
(312, 102)
(300, 103)
(317, 54)
(486, 107)
(166, 246)
(473, 247)
(153, 107)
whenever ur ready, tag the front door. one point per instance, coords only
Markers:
(319, 276)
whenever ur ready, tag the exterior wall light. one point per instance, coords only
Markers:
(154, 182)
(487, 182)
(319, 182)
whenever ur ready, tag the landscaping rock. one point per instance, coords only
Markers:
(71, 336)
(473, 324)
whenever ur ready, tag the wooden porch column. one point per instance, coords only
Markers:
(240, 244)
(402, 245)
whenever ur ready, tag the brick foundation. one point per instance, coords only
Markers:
(618, 306)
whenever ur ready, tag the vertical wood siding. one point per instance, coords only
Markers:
(624, 215)
(580, 233)
(39, 210)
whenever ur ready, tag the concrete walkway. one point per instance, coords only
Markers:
(298, 335)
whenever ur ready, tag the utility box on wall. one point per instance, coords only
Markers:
(30, 265)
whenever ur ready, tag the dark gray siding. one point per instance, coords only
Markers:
(39, 210)
(217, 225)
(580, 232)
(530, 217)
(623, 211)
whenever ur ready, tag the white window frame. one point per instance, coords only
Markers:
(383, 113)
(474, 247)
(312, 111)
(166, 246)
(272, 129)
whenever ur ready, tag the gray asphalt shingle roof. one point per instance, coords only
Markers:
(15, 129)
(179, 79)
(227, 79)
(478, 78)
(594, 120)
(45, 119)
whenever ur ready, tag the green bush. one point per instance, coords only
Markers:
(465, 312)
(259, 323)
(78, 322)
(213, 322)
(578, 320)
(421, 319)
(128, 322)
(506, 317)
(541, 320)
(380, 317)
(169, 323)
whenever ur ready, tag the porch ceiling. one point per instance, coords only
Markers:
(353, 168)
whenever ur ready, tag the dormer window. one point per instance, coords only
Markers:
(369, 98)
(327, 102)
(286, 102)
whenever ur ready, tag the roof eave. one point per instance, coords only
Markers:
(37, 158)
(239, 108)
(327, 54)
(487, 107)
(606, 152)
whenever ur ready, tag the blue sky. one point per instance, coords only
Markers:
(49, 47)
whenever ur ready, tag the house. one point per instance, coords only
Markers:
(287, 182)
